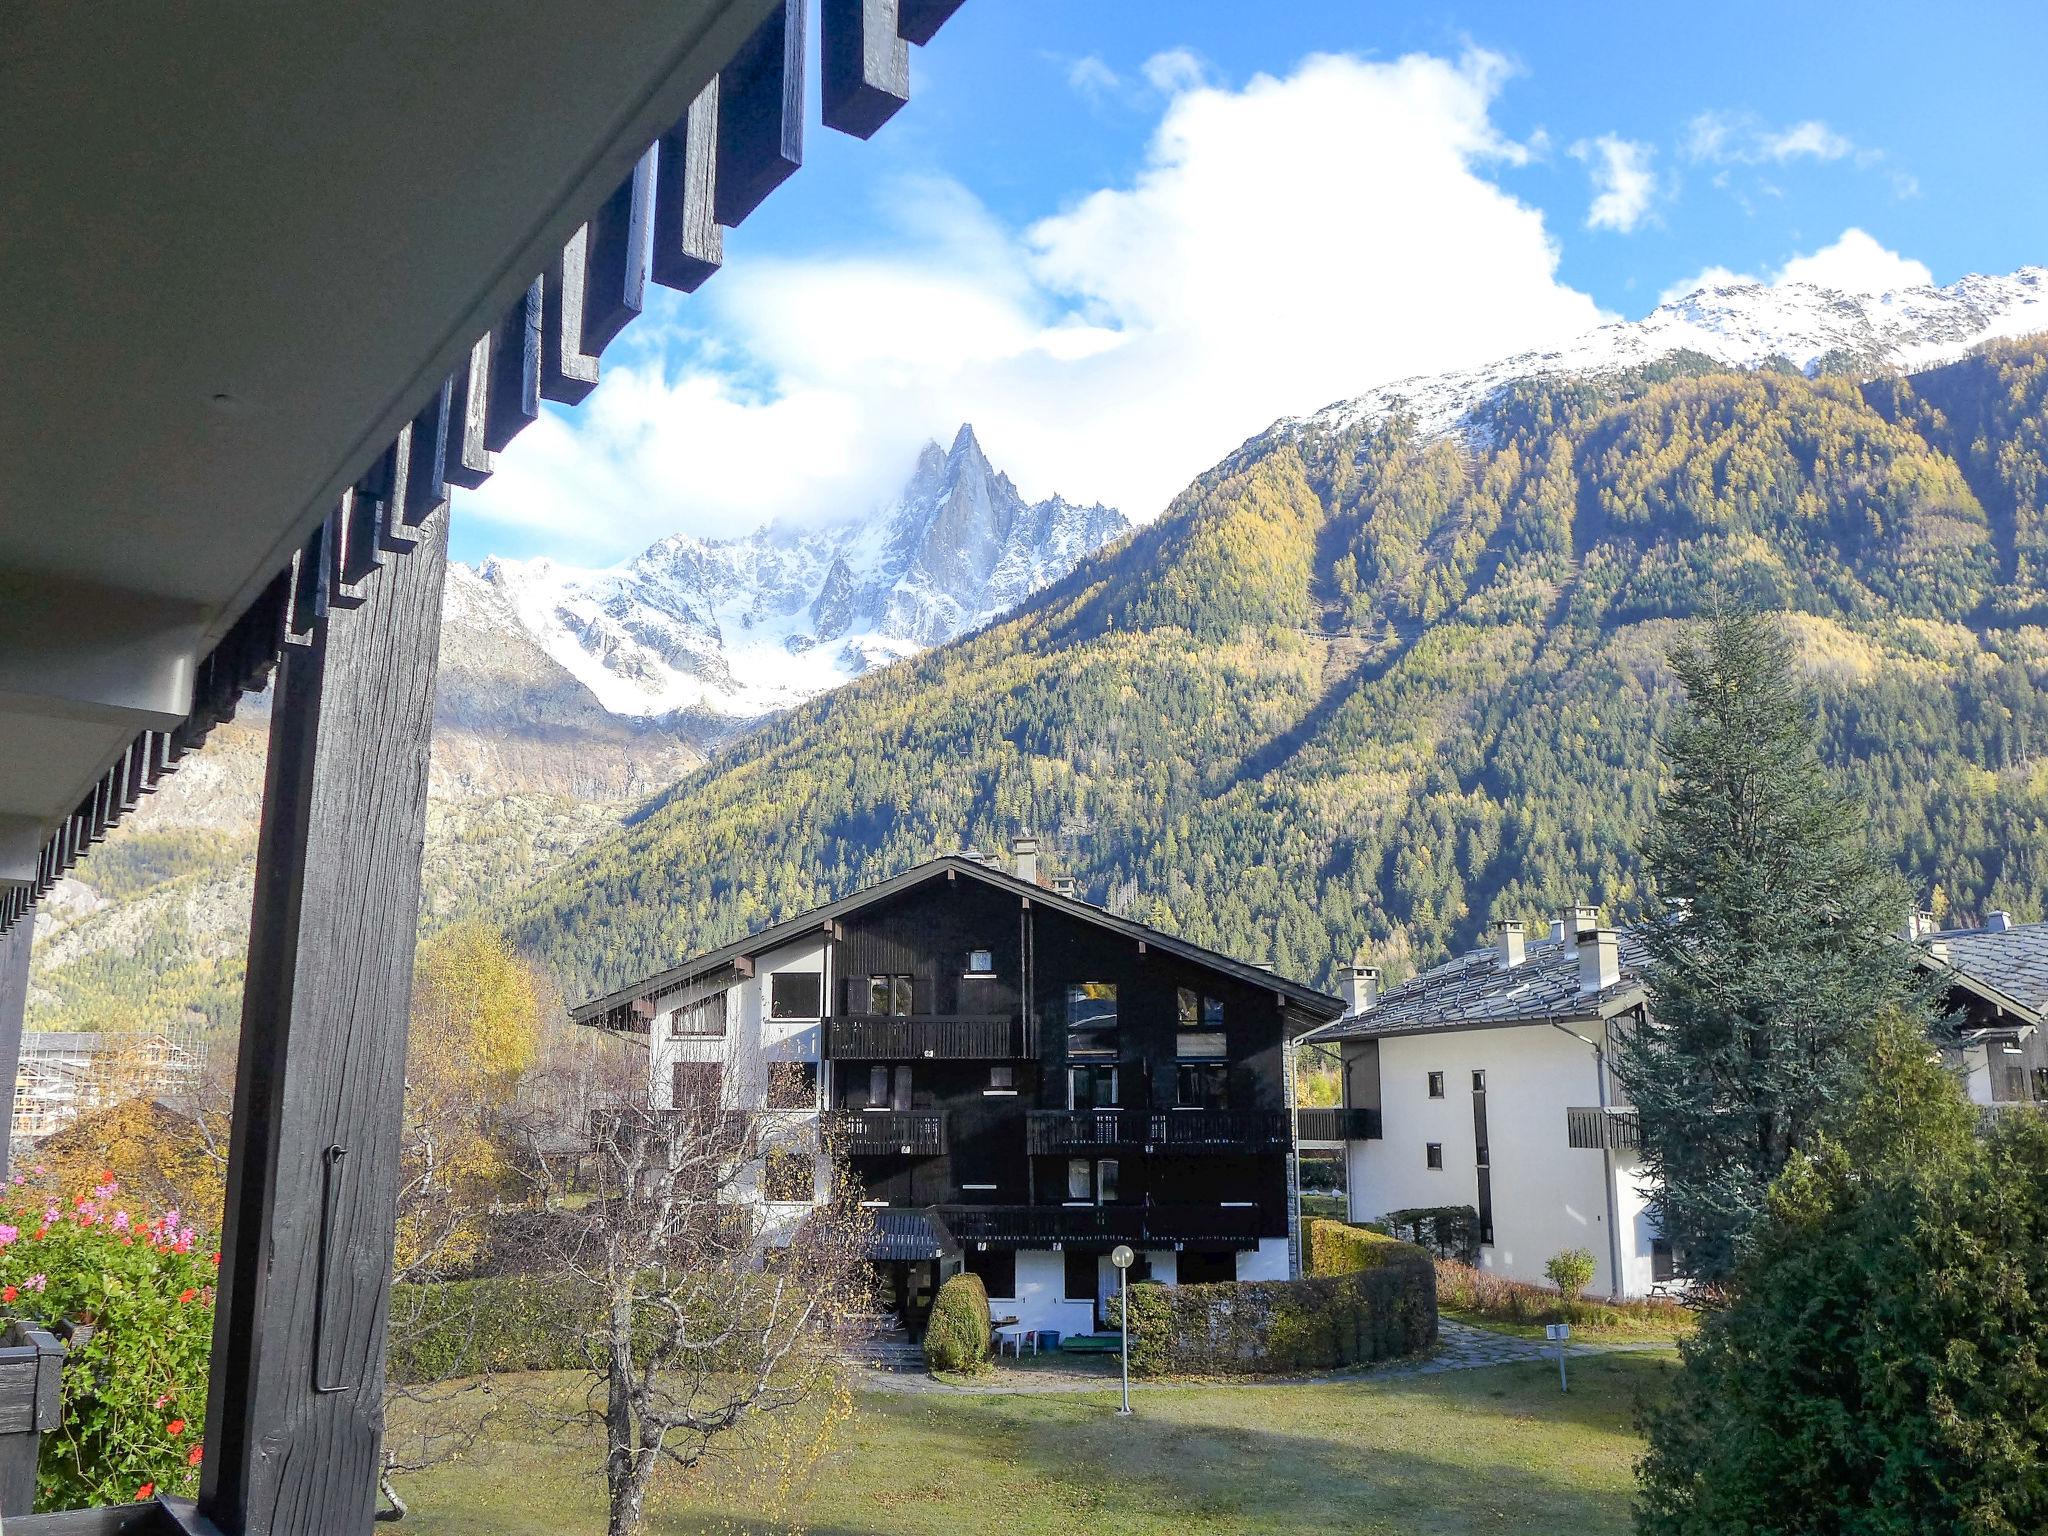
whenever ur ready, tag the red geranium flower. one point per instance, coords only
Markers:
(193, 1459)
(188, 1294)
(9, 1293)
(175, 1427)
(144, 1492)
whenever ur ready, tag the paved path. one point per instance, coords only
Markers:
(1460, 1347)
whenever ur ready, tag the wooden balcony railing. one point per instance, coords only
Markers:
(1339, 1124)
(1219, 1130)
(1076, 1130)
(1037, 1226)
(937, 1037)
(888, 1132)
(1597, 1127)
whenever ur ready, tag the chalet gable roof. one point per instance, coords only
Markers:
(1305, 1005)
(2007, 968)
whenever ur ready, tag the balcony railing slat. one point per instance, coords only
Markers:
(1332, 1124)
(1020, 1226)
(889, 1133)
(931, 1037)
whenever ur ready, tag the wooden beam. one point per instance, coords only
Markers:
(295, 1401)
(615, 258)
(468, 461)
(515, 371)
(918, 21)
(14, 955)
(864, 63)
(568, 371)
(761, 114)
(688, 246)
(425, 490)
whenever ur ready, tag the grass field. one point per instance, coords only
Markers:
(1494, 1450)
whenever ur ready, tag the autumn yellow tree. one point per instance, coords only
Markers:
(475, 1024)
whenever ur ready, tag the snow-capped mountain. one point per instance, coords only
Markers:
(1742, 325)
(738, 628)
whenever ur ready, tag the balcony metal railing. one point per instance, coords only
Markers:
(1035, 1226)
(888, 1132)
(1596, 1127)
(1219, 1130)
(1339, 1124)
(936, 1037)
(1076, 1130)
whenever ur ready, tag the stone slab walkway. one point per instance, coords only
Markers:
(1460, 1347)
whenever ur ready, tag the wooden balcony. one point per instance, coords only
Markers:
(936, 1037)
(888, 1132)
(1218, 1130)
(1078, 1130)
(1596, 1127)
(1162, 1226)
(1339, 1124)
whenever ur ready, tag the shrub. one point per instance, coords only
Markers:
(134, 1393)
(956, 1335)
(1448, 1231)
(1571, 1272)
(1338, 1248)
(1480, 1293)
(1249, 1327)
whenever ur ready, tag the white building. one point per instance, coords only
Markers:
(1485, 1082)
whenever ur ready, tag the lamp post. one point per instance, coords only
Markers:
(1122, 1257)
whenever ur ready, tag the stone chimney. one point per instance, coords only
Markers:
(1997, 922)
(1599, 960)
(1937, 949)
(1361, 986)
(1507, 934)
(1577, 920)
(1063, 885)
(1024, 859)
(1918, 925)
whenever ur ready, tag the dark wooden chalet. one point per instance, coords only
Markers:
(278, 278)
(1038, 1078)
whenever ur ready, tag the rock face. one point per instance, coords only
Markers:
(733, 629)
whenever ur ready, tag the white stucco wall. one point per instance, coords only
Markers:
(1547, 1195)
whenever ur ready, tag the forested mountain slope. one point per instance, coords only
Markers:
(1370, 687)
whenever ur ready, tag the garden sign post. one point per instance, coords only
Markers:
(1557, 1333)
(1121, 1256)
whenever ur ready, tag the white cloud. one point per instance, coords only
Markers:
(1855, 263)
(1739, 138)
(1092, 78)
(1175, 70)
(1623, 183)
(1286, 244)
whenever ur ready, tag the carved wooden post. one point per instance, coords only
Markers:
(295, 1411)
(14, 953)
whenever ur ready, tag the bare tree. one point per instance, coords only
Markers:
(717, 1314)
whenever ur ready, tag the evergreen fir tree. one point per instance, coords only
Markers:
(1776, 956)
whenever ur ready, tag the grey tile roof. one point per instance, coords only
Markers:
(1476, 991)
(901, 1234)
(2010, 965)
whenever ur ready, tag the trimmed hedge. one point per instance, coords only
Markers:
(503, 1323)
(1260, 1326)
(956, 1334)
(1339, 1248)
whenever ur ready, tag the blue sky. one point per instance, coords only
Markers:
(1121, 236)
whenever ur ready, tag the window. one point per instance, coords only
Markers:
(1433, 1154)
(899, 1093)
(696, 1084)
(1202, 1044)
(981, 962)
(1106, 1182)
(997, 1268)
(1663, 1265)
(1002, 1080)
(1080, 1276)
(1201, 1086)
(1091, 1088)
(1483, 1155)
(1091, 1019)
(1479, 1082)
(1080, 1179)
(889, 995)
(1436, 1085)
(1205, 1266)
(795, 994)
(792, 1085)
(705, 1017)
(1212, 1013)
(878, 1087)
(787, 1174)
(1187, 1007)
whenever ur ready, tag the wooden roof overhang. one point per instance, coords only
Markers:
(278, 277)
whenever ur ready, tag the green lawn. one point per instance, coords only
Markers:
(1496, 1450)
